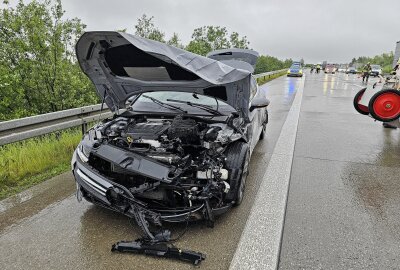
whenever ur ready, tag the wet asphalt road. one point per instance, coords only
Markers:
(344, 197)
(46, 228)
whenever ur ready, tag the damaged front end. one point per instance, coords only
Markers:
(180, 151)
(158, 170)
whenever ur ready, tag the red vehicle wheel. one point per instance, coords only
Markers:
(385, 105)
(360, 108)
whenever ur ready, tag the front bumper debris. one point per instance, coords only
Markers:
(155, 238)
(159, 250)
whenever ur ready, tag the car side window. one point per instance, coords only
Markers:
(253, 88)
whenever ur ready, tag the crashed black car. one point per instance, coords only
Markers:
(184, 127)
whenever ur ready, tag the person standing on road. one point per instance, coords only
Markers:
(312, 69)
(318, 68)
(397, 67)
(366, 70)
(395, 72)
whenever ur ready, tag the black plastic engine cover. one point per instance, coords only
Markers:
(147, 130)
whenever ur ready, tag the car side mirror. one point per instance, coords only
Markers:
(259, 102)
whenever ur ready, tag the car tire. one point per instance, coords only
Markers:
(237, 163)
(264, 127)
(384, 105)
(360, 108)
(262, 134)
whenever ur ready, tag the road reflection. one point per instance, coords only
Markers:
(100, 228)
(290, 88)
(333, 81)
(376, 186)
(325, 84)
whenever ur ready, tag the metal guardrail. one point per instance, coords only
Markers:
(29, 127)
(267, 75)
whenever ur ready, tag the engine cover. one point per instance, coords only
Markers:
(147, 130)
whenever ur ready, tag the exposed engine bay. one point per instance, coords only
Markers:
(191, 150)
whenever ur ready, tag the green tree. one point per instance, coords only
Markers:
(200, 47)
(204, 39)
(38, 69)
(238, 42)
(210, 38)
(175, 41)
(267, 63)
(145, 28)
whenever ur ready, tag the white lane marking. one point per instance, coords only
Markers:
(260, 241)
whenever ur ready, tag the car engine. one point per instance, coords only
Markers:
(193, 148)
(167, 141)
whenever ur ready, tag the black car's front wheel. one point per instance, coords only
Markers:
(262, 134)
(264, 126)
(237, 163)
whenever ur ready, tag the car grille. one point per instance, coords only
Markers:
(93, 184)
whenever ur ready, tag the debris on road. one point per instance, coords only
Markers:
(159, 249)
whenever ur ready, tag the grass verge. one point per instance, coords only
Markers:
(24, 164)
(266, 79)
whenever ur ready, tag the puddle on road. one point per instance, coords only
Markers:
(35, 199)
(375, 184)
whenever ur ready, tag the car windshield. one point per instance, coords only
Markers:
(190, 103)
(295, 67)
(376, 66)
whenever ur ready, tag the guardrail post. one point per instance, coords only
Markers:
(84, 127)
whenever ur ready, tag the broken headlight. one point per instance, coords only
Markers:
(73, 161)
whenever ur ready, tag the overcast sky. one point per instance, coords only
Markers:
(316, 30)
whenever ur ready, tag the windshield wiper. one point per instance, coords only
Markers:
(207, 108)
(163, 104)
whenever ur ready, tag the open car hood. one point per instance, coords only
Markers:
(121, 65)
(238, 58)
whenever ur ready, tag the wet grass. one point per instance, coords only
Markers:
(24, 164)
(266, 79)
